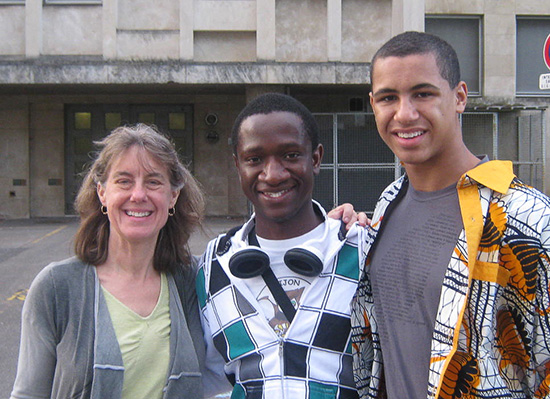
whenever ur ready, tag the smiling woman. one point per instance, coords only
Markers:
(155, 155)
(126, 304)
(137, 197)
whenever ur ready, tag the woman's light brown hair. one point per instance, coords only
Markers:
(172, 248)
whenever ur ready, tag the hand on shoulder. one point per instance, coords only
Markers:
(349, 216)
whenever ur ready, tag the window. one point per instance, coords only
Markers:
(176, 120)
(531, 34)
(82, 120)
(112, 120)
(146, 117)
(464, 33)
(72, 1)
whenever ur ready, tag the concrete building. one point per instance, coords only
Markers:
(71, 70)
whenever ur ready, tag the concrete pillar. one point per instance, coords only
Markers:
(187, 18)
(47, 173)
(265, 30)
(407, 15)
(33, 28)
(14, 158)
(334, 30)
(110, 22)
(499, 48)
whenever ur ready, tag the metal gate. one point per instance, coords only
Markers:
(357, 164)
(515, 135)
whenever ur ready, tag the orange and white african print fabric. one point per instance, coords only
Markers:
(492, 332)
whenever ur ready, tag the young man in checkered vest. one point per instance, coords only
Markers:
(275, 293)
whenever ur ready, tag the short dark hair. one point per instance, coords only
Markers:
(411, 43)
(277, 102)
(172, 248)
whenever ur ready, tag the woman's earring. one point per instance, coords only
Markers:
(171, 211)
(103, 209)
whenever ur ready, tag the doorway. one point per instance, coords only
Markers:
(86, 123)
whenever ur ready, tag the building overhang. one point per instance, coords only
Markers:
(505, 107)
(93, 71)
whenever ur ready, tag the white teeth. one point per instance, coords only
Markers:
(410, 135)
(138, 214)
(275, 195)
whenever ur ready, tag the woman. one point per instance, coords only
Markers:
(109, 322)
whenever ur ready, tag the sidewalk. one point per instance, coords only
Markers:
(213, 226)
(15, 232)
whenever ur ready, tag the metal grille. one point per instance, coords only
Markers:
(478, 132)
(357, 164)
(517, 136)
(529, 165)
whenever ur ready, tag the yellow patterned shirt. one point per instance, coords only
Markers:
(492, 331)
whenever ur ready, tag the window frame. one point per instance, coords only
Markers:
(480, 55)
(518, 93)
(72, 2)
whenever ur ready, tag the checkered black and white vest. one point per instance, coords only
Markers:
(313, 359)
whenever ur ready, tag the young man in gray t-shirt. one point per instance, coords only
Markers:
(454, 300)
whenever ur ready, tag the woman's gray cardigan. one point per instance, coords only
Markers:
(69, 348)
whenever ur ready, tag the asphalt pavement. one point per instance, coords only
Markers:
(26, 246)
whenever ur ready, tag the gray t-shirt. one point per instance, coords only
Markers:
(407, 269)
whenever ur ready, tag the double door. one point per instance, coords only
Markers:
(87, 123)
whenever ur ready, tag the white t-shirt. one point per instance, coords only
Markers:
(294, 284)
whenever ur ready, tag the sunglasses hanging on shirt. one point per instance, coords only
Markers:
(252, 261)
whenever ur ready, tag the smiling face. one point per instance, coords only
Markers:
(416, 111)
(276, 168)
(137, 194)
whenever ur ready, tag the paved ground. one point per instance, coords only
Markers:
(26, 246)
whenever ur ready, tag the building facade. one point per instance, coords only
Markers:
(72, 70)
